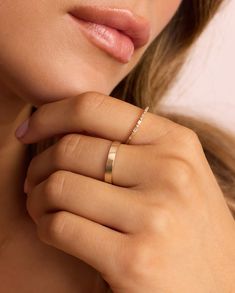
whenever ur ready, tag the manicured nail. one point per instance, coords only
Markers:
(22, 129)
(26, 186)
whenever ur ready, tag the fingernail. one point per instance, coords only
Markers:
(22, 129)
(26, 186)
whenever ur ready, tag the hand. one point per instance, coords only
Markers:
(163, 226)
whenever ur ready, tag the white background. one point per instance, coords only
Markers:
(205, 87)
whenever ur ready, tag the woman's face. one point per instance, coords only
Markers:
(44, 55)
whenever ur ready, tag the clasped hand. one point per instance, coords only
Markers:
(163, 226)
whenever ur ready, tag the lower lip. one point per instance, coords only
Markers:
(110, 40)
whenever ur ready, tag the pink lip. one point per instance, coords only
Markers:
(117, 31)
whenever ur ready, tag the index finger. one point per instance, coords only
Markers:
(98, 115)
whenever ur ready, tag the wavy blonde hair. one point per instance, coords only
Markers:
(150, 79)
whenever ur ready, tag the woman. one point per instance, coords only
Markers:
(165, 223)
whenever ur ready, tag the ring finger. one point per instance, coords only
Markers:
(113, 206)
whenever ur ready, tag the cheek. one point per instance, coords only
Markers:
(44, 60)
(161, 14)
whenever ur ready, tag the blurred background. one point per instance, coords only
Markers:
(205, 86)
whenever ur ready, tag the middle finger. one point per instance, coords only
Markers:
(87, 155)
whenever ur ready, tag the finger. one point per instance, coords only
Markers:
(87, 155)
(98, 115)
(115, 207)
(96, 245)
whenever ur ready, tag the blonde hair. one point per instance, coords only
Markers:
(155, 72)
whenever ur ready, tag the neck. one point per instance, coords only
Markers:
(13, 157)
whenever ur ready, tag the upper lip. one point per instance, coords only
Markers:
(134, 26)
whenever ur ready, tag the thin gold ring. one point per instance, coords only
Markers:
(114, 148)
(137, 125)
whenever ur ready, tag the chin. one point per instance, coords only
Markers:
(42, 86)
(44, 78)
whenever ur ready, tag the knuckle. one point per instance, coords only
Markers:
(190, 139)
(158, 219)
(87, 102)
(65, 148)
(88, 95)
(54, 187)
(78, 107)
(181, 178)
(51, 227)
(190, 134)
(137, 261)
(98, 101)
(181, 173)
